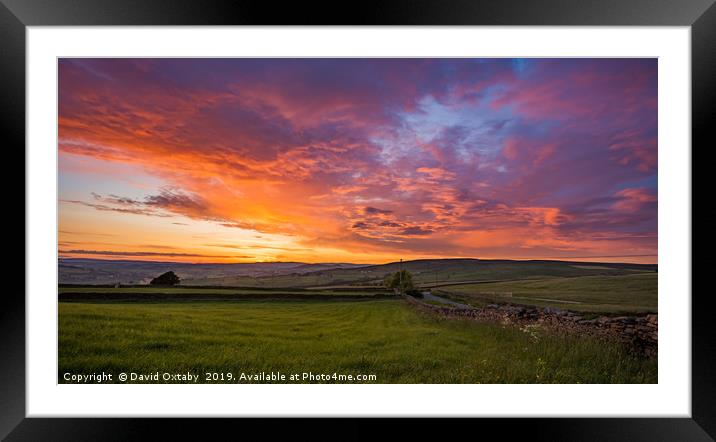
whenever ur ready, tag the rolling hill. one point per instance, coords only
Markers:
(427, 273)
(102, 271)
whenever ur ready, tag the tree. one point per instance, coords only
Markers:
(401, 280)
(168, 278)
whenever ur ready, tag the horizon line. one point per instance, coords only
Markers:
(563, 259)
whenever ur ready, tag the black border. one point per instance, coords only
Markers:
(700, 15)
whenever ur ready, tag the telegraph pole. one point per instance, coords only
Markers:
(400, 275)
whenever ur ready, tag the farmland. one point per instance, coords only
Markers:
(146, 293)
(633, 293)
(386, 338)
(426, 272)
(317, 318)
(589, 287)
(429, 273)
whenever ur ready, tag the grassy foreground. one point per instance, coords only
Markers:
(386, 338)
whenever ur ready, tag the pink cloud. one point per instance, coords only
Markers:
(512, 159)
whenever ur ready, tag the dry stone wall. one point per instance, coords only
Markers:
(638, 333)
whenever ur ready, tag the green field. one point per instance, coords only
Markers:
(88, 293)
(428, 273)
(386, 338)
(632, 293)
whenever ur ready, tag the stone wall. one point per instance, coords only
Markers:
(638, 333)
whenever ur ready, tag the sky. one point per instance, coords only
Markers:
(357, 160)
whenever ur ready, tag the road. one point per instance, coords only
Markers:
(427, 296)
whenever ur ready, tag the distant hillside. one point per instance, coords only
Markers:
(100, 271)
(428, 272)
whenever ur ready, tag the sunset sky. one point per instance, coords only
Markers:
(358, 160)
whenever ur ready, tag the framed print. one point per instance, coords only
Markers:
(485, 215)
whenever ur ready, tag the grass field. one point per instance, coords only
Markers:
(429, 272)
(198, 293)
(610, 294)
(387, 338)
(200, 290)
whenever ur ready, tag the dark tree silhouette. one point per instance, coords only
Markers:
(168, 278)
(402, 281)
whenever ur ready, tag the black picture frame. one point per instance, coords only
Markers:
(16, 15)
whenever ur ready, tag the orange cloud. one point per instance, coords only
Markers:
(315, 160)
